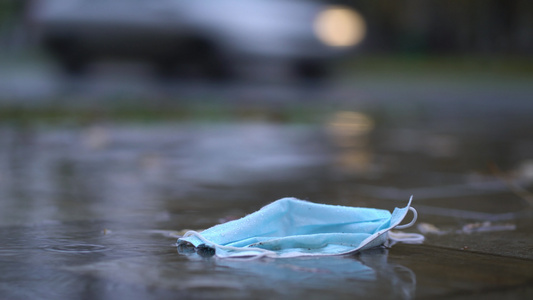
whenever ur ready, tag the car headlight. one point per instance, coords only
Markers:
(338, 26)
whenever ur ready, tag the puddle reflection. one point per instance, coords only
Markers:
(73, 173)
(143, 264)
(367, 273)
(350, 132)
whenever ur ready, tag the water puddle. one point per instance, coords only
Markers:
(77, 248)
(99, 207)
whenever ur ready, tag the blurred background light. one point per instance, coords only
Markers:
(350, 124)
(340, 27)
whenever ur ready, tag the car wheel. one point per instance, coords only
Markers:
(193, 58)
(69, 53)
(201, 57)
(166, 67)
(309, 70)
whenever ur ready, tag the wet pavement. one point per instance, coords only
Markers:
(91, 208)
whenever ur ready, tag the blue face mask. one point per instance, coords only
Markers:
(290, 227)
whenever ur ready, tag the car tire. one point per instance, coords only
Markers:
(194, 58)
(311, 70)
(70, 54)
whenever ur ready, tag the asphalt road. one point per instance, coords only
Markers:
(92, 208)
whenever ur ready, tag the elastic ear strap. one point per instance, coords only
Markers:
(406, 238)
(415, 216)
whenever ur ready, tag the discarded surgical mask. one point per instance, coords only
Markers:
(290, 228)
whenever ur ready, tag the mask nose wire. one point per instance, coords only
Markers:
(415, 216)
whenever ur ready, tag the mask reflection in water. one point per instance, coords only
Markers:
(362, 274)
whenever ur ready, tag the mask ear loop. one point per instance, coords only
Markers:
(415, 216)
(262, 252)
(407, 238)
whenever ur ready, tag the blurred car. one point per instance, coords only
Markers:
(202, 36)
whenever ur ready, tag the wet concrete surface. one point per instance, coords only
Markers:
(91, 209)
